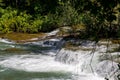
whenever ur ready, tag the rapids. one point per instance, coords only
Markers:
(49, 60)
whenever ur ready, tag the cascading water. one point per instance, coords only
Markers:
(89, 61)
(47, 60)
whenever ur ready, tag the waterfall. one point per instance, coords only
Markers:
(89, 62)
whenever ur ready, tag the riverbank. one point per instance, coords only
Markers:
(22, 37)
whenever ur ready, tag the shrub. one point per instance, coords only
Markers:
(35, 26)
(7, 19)
(68, 15)
(65, 15)
(13, 21)
(22, 22)
(50, 22)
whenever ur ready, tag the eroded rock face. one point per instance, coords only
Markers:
(108, 69)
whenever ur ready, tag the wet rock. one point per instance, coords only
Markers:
(108, 69)
(67, 57)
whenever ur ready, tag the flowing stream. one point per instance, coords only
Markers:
(47, 60)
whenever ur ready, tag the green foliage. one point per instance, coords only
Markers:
(65, 15)
(7, 19)
(22, 22)
(50, 22)
(12, 21)
(32, 16)
(68, 15)
(36, 26)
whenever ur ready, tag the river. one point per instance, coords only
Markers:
(46, 60)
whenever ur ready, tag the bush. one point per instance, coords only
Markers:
(36, 26)
(22, 22)
(13, 21)
(65, 15)
(50, 22)
(68, 15)
(7, 19)
(94, 28)
(97, 29)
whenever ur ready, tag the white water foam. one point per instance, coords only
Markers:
(34, 63)
(82, 59)
(41, 63)
(53, 32)
(89, 62)
(81, 69)
(5, 41)
(82, 77)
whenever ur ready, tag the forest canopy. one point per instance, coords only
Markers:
(100, 17)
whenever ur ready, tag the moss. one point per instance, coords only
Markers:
(18, 37)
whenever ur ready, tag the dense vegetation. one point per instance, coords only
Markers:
(100, 17)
